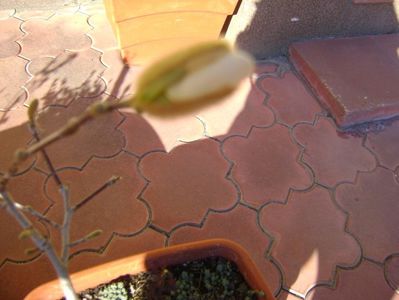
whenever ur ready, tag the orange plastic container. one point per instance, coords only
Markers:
(157, 259)
(147, 30)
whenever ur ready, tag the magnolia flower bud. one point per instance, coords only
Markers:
(203, 71)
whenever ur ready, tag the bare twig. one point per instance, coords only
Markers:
(42, 244)
(65, 229)
(35, 213)
(86, 238)
(110, 182)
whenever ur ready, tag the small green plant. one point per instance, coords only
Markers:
(203, 71)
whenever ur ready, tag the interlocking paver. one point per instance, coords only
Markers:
(365, 282)
(62, 79)
(290, 99)
(16, 137)
(240, 111)
(238, 225)
(186, 183)
(333, 156)
(309, 238)
(385, 144)
(101, 33)
(372, 205)
(9, 34)
(99, 138)
(58, 33)
(26, 189)
(265, 165)
(115, 209)
(140, 136)
(6, 13)
(391, 268)
(12, 93)
(17, 280)
(120, 78)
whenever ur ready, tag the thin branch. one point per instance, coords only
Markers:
(50, 165)
(42, 244)
(35, 213)
(69, 128)
(65, 229)
(86, 238)
(106, 185)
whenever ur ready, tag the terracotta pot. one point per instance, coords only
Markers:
(157, 259)
(148, 29)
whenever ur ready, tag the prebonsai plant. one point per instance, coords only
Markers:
(205, 71)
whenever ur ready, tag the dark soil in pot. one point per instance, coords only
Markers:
(206, 279)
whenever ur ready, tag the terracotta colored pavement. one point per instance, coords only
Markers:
(266, 167)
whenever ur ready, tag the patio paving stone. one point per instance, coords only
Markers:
(62, 79)
(17, 137)
(58, 33)
(185, 183)
(97, 138)
(385, 144)
(239, 225)
(355, 78)
(372, 203)
(12, 93)
(365, 282)
(30, 275)
(292, 105)
(311, 241)
(9, 34)
(115, 209)
(101, 34)
(391, 269)
(333, 156)
(26, 189)
(257, 161)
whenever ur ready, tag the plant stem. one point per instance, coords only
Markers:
(42, 244)
(74, 124)
(66, 225)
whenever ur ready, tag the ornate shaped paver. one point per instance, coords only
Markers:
(365, 282)
(120, 78)
(385, 144)
(9, 34)
(391, 270)
(309, 238)
(99, 137)
(12, 93)
(101, 33)
(59, 33)
(115, 209)
(290, 99)
(373, 207)
(140, 136)
(334, 157)
(62, 79)
(26, 189)
(265, 165)
(32, 275)
(238, 225)
(186, 183)
(241, 110)
(15, 137)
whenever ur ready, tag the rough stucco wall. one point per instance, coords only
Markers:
(265, 27)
